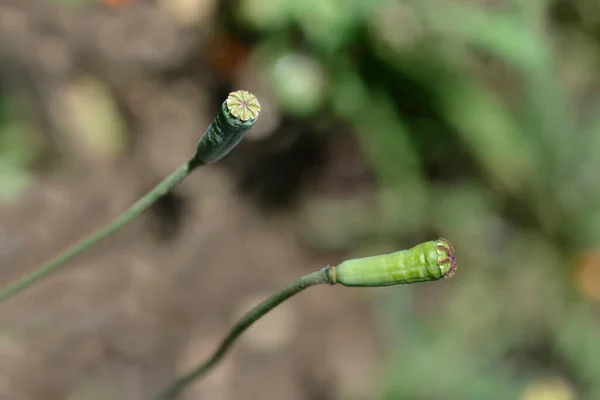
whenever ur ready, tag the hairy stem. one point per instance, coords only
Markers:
(126, 217)
(322, 276)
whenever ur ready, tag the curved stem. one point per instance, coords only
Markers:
(237, 115)
(322, 276)
(127, 216)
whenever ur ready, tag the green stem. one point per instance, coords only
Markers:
(127, 216)
(322, 276)
(237, 116)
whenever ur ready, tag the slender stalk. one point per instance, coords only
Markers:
(237, 116)
(322, 276)
(126, 217)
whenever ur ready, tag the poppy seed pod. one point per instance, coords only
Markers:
(238, 114)
(427, 261)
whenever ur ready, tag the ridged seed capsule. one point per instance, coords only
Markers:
(427, 261)
(238, 114)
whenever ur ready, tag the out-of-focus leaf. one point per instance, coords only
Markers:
(458, 372)
(576, 328)
(329, 25)
(582, 191)
(501, 33)
(19, 149)
(382, 132)
(509, 157)
(518, 37)
(17, 144)
(265, 14)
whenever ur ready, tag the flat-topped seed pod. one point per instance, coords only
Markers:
(238, 114)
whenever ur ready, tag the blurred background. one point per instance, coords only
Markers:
(384, 123)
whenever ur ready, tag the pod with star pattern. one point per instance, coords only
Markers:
(238, 114)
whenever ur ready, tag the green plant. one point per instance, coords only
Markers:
(425, 262)
(428, 261)
(238, 114)
(18, 149)
(479, 120)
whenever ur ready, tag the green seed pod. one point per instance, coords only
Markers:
(238, 114)
(427, 261)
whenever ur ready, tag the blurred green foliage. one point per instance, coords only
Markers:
(18, 149)
(480, 120)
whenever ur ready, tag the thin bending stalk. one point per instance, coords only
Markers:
(238, 114)
(126, 217)
(319, 277)
(428, 261)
